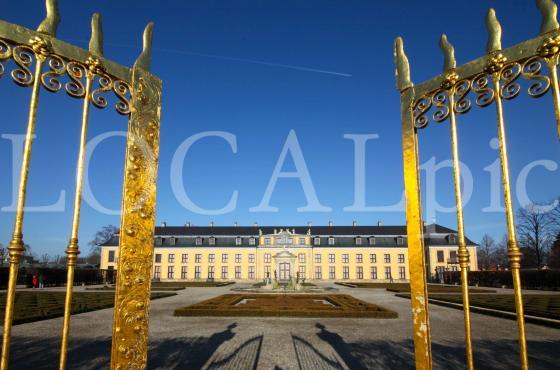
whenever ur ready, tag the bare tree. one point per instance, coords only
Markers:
(554, 255)
(486, 251)
(499, 256)
(536, 232)
(45, 258)
(101, 237)
(56, 259)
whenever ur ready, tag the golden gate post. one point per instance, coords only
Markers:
(92, 77)
(491, 79)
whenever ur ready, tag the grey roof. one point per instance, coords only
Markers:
(385, 236)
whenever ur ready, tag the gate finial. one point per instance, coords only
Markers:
(402, 73)
(51, 21)
(494, 32)
(549, 11)
(96, 40)
(145, 57)
(448, 50)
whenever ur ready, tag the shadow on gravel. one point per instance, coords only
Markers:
(496, 354)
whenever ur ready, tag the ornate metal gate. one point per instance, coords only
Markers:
(489, 79)
(39, 60)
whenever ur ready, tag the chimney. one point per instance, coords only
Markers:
(354, 223)
(331, 224)
(308, 223)
(379, 223)
(164, 224)
(211, 223)
(235, 224)
(256, 224)
(188, 224)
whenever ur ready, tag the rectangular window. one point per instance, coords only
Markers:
(440, 256)
(359, 272)
(332, 273)
(453, 255)
(317, 241)
(251, 241)
(358, 241)
(402, 273)
(387, 258)
(345, 272)
(372, 240)
(267, 272)
(170, 272)
(238, 258)
(400, 240)
(251, 272)
(111, 257)
(373, 273)
(157, 272)
(331, 241)
(331, 258)
(302, 272)
(198, 258)
(317, 258)
(225, 257)
(210, 272)
(401, 258)
(318, 274)
(238, 272)
(302, 241)
(171, 258)
(301, 257)
(266, 241)
(238, 241)
(158, 258)
(197, 272)
(267, 258)
(359, 258)
(212, 241)
(251, 258)
(345, 258)
(184, 258)
(158, 241)
(211, 258)
(373, 258)
(224, 272)
(171, 241)
(388, 275)
(198, 241)
(183, 272)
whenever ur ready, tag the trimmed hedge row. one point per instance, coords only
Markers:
(51, 276)
(530, 279)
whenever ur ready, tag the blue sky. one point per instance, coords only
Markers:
(258, 70)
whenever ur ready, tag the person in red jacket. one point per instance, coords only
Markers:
(35, 281)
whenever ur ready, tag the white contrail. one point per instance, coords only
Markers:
(270, 64)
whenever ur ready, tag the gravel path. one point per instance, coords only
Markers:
(285, 343)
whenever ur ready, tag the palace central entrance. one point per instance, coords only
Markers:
(284, 273)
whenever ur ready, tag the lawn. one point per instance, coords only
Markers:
(286, 305)
(41, 305)
(405, 287)
(540, 305)
(158, 285)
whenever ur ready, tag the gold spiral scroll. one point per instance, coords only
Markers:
(41, 48)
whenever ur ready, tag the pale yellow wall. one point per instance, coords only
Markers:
(446, 254)
(310, 264)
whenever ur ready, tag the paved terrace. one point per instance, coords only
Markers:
(285, 343)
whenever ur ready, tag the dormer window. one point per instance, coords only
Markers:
(158, 240)
(331, 240)
(317, 240)
(400, 240)
(371, 240)
(358, 240)
(212, 241)
(171, 241)
(198, 241)
(238, 241)
(452, 239)
(251, 241)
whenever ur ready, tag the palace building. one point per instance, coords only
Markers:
(282, 252)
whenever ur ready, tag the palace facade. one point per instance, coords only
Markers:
(310, 252)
